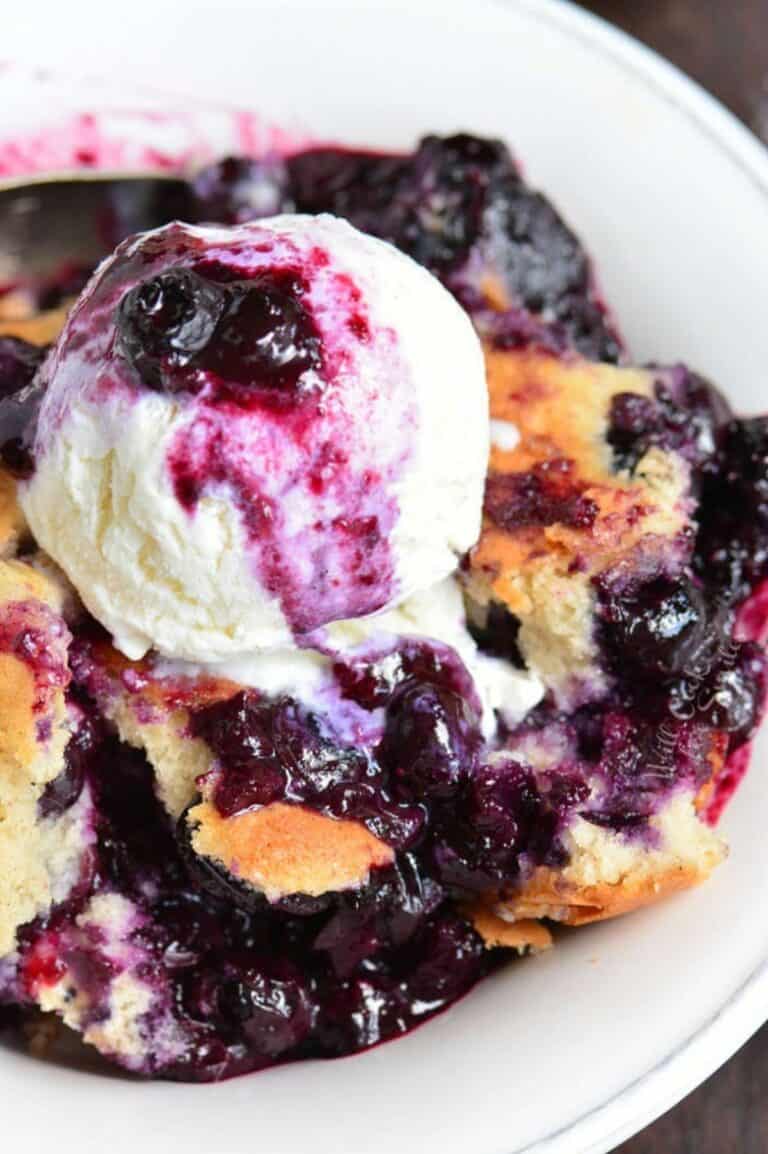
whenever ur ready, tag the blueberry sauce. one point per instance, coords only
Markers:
(64, 790)
(546, 495)
(732, 543)
(237, 189)
(274, 751)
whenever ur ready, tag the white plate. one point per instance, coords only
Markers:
(572, 1052)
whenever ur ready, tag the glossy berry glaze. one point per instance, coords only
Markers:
(237, 984)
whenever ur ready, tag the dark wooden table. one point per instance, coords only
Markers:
(724, 45)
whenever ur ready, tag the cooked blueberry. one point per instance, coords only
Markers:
(272, 749)
(658, 626)
(515, 328)
(399, 825)
(366, 1009)
(504, 817)
(448, 957)
(188, 928)
(19, 361)
(731, 697)
(255, 336)
(20, 398)
(238, 189)
(266, 337)
(372, 682)
(732, 542)
(268, 1001)
(498, 634)
(382, 915)
(445, 201)
(62, 792)
(684, 416)
(360, 186)
(631, 423)
(66, 788)
(164, 322)
(616, 819)
(431, 741)
(693, 411)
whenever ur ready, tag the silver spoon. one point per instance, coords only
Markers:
(60, 221)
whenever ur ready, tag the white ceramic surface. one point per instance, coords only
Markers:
(572, 1052)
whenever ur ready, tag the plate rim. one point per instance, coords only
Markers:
(732, 1024)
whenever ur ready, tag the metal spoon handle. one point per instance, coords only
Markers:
(49, 226)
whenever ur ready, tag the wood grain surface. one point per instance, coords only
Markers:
(724, 45)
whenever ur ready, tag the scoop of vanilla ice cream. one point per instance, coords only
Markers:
(251, 432)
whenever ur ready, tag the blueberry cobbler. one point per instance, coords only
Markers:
(324, 686)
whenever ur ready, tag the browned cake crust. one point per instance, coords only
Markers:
(523, 936)
(287, 849)
(548, 895)
(608, 876)
(12, 522)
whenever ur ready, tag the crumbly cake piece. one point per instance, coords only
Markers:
(523, 935)
(40, 850)
(120, 1008)
(559, 512)
(286, 849)
(608, 875)
(585, 571)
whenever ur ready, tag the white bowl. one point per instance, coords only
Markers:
(574, 1051)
